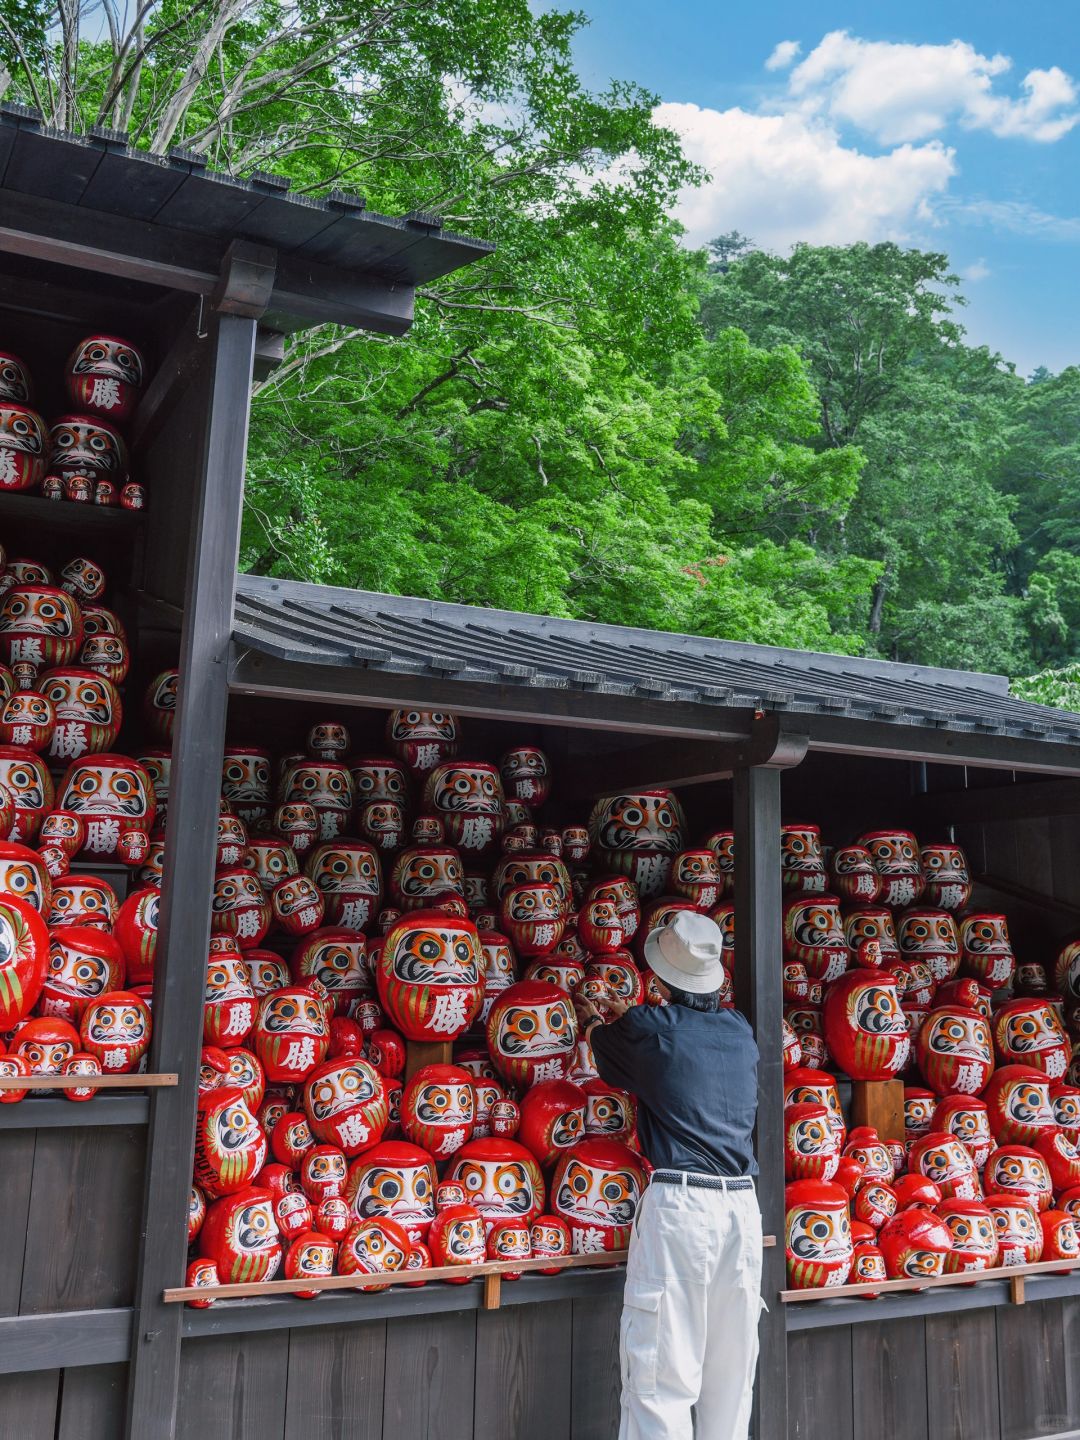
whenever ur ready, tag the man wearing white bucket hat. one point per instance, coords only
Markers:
(688, 1341)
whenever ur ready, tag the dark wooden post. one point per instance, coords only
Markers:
(180, 971)
(758, 934)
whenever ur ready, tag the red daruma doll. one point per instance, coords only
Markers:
(501, 1178)
(230, 1146)
(291, 1034)
(115, 1030)
(817, 1234)
(24, 959)
(531, 1033)
(596, 1190)
(438, 1109)
(865, 1026)
(114, 796)
(394, 1179)
(240, 1235)
(84, 963)
(457, 1235)
(346, 1105)
(430, 975)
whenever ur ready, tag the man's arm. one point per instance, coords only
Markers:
(615, 1048)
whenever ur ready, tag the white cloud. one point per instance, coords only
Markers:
(977, 270)
(904, 92)
(1013, 215)
(783, 178)
(783, 55)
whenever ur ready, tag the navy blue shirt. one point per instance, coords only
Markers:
(694, 1076)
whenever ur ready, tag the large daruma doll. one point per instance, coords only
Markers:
(814, 934)
(955, 1050)
(531, 1033)
(430, 975)
(817, 1234)
(240, 1235)
(346, 1104)
(596, 1190)
(639, 835)
(113, 794)
(865, 1026)
(1029, 1032)
(24, 959)
(501, 1178)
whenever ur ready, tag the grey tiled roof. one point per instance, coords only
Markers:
(318, 625)
(177, 192)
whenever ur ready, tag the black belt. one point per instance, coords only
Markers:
(702, 1182)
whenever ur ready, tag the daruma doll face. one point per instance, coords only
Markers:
(430, 975)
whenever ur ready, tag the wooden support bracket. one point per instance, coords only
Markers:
(1016, 1289)
(419, 1053)
(492, 1291)
(880, 1104)
(678, 762)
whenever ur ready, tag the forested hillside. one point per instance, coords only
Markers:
(595, 421)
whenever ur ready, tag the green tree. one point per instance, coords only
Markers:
(876, 326)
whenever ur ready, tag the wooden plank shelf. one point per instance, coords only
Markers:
(97, 521)
(932, 1282)
(85, 1082)
(65, 1339)
(349, 1307)
(56, 1113)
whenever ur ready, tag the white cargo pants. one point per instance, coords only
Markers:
(689, 1335)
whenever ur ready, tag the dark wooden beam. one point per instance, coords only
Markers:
(180, 968)
(253, 673)
(63, 1339)
(1033, 800)
(758, 936)
(670, 764)
(890, 741)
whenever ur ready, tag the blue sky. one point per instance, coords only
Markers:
(950, 126)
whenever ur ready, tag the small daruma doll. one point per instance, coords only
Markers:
(974, 1241)
(531, 1033)
(348, 875)
(229, 1001)
(526, 775)
(291, 1034)
(966, 1119)
(852, 875)
(397, 1180)
(801, 864)
(28, 785)
(24, 959)
(468, 798)
(696, 875)
(422, 873)
(811, 1145)
(948, 879)
(115, 1030)
(1030, 1032)
(955, 1051)
(22, 446)
(458, 1234)
(534, 918)
(327, 786)
(552, 1119)
(87, 709)
(931, 936)
(40, 625)
(346, 1105)
(240, 908)
(114, 796)
(814, 934)
(84, 963)
(596, 1190)
(501, 1178)
(865, 1026)
(230, 1145)
(104, 377)
(987, 950)
(639, 835)
(895, 854)
(942, 1159)
(240, 1235)
(438, 1109)
(915, 1243)
(1018, 1099)
(430, 975)
(422, 738)
(817, 1234)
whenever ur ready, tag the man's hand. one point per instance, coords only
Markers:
(617, 1006)
(586, 1011)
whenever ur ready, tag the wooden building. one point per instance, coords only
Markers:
(207, 274)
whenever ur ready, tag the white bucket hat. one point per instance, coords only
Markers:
(687, 953)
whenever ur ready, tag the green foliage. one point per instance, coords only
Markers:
(1058, 688)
